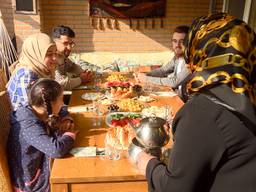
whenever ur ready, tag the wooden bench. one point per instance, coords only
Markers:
(5, 105)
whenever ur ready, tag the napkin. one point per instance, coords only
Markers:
(87, 151)
(84, 151)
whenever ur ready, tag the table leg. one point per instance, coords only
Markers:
(59, 187)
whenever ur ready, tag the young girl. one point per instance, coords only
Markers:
(34, 137)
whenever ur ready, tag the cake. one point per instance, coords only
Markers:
(120, 137)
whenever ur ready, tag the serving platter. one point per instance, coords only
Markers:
(121, 115)
(164, 93)
(92, 96)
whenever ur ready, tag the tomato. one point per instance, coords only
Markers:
(135, 121)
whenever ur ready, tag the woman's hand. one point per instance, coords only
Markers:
(142, 161)
(86, 76)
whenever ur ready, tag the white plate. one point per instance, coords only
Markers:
(108, 95)
(92, 96)
(158, 111)
(164, 94)
(105, 101)
(83, 87)
(81, 109)
(109, 118)
(146, 99)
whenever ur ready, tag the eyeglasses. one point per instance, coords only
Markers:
(66, 44)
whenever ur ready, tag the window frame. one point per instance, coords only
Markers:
(34, 12)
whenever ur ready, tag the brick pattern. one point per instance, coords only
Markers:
(24, 26)
(75, 14)
(7, 16)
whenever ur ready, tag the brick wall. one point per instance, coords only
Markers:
(7, 16)
(26, 24)
(75, 14)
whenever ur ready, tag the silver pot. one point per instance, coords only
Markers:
(151, 132)
(135, 148)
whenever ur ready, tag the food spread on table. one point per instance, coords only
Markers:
(120, 137)
(122, 119)
(158, 111)
(125, 104)
(105, 101)
(116, 77)
(129, 105)
(119, 90)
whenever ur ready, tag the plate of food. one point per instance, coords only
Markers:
(129, 105)
(92, 96)
(116, 77)
(164, 93)
(117, 90)
(105, 101)
(122, 118)
(119, 137)
(146, 99)
(158, 111)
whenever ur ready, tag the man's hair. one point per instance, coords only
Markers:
(181, 29)
(62, 30)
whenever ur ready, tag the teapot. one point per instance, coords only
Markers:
(151, 132)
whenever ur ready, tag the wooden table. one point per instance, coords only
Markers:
(92, 174)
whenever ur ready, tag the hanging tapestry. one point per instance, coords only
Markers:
(128, 9)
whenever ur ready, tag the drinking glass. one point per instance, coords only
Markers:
(168, 114)
(111, 151)
(97, 82)
(148, 87)
(97, 108)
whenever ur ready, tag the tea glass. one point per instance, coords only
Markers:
(148, 88)
(111, 151)
(168, 116)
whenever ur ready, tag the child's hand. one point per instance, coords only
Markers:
(67, 125)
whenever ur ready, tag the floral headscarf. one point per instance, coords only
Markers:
(221, 54)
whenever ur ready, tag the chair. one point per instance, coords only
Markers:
(5, 184)
(3, 80)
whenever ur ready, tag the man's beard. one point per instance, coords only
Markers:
(178, 52)
(66, 53)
